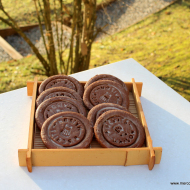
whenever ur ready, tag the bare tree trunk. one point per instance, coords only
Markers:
(88, 32)
(49, 33)
(83, 33)
(78, 37)
(40, 25)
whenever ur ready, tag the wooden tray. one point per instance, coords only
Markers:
(95, 155)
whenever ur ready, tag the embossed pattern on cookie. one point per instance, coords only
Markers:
(105, 77)
(98, 110)
(55, 105)
(105, 91)
(63, 81)
(118, 128)
(67, 130)
(58, 91)
(60, 82)
(119, 131)
(104, 94)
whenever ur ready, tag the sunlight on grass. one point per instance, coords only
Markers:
(161, 43)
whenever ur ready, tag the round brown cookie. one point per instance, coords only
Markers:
(105, 91)
(55, 105)
(118, 128)
(61, 80)
(105, 77)
(67, 130)
(58, 91)
(98, 110)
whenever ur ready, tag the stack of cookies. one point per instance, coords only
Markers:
(63, 118)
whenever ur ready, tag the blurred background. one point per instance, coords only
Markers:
(89, 34)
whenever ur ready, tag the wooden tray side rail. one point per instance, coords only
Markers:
(31, 127)
(147, 155)
(90, 157)
(143, 121)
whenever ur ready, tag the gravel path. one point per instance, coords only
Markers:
(119, 15)
(35, 36)
(123, 13)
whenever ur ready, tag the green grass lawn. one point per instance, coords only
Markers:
(15, 74)
(161, 43)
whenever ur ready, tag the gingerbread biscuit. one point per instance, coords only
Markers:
(98, 110)
(55, 105)
(61, 80)
(105, 77)
(118, 128)
(105, 91)
(67, 130)
(58, 91)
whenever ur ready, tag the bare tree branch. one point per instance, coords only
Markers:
(51, 46)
